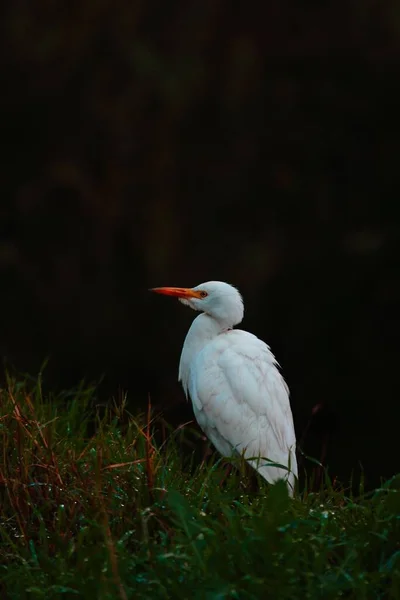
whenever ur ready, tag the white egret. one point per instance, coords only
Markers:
(240, 399)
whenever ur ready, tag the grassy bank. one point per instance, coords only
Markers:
(92, 507)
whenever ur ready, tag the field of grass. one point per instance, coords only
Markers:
(92, 507)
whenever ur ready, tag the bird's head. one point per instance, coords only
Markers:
(218, 299)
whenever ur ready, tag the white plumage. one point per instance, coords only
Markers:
(239, 397)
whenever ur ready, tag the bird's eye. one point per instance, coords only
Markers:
(203, 294)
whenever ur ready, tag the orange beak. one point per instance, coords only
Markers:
(176, 292)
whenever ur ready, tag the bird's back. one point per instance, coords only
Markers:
(241, 401)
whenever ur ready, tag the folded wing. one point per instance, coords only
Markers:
(241, 402)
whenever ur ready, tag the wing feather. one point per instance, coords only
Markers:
(241, 401)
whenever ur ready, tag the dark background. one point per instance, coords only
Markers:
(172, 143)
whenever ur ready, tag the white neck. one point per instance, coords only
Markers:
(203, 329)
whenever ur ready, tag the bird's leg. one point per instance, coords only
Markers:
(228, 471)
(207, 452)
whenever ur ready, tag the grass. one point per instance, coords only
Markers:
(92, 507)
